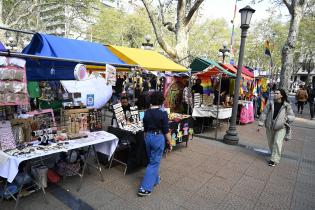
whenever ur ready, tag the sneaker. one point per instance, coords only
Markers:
(271, 163)
(142, 192)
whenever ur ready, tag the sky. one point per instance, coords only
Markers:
(225, 9)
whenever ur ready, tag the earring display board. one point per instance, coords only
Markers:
(95, 120)
(21, 129)
(7, 140)
(43, 119)
(197, 100)
(134, 114)
(120, 116)
(75, 122)
(13, 88)
(134, 125)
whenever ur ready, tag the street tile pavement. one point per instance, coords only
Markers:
(206, 175)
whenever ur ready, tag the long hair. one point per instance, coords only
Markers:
(284, 95)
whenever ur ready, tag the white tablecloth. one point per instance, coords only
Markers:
(211, 111)
(103, 141)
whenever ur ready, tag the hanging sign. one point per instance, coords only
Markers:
(80, 72)
(110, 75)
(90, 100)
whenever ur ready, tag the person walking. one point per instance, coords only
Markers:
(187, 99)
(301, 97)
(311, 99)
(276, 117)
(156, 131)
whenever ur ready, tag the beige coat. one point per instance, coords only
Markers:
(285, 115)
(301, 95)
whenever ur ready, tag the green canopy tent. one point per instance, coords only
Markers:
(201, 64)
(208, 68)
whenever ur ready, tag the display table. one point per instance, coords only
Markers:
(103, 142)
(180, 130)
(135, 155)
(246, 111)
(211, 111)
(99, 141)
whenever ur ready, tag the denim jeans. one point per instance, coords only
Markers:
(155, 145)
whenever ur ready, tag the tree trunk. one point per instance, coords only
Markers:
(2, 38)
(181, 48)
(287, 53)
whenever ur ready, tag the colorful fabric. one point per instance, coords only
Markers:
(33, 89)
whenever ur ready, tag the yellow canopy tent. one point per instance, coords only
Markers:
(146, 59)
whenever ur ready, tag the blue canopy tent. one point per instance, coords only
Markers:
(2, 48)
(70, 52)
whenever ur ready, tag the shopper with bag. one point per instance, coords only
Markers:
(156, 131)
(276, 116)
(301, 97)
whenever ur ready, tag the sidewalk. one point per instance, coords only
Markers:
(206, 175)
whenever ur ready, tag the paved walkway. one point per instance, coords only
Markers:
(206, 175)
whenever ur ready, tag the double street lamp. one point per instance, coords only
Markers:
(224, 52)
(231, 136)
(147, 45)
(10, 45)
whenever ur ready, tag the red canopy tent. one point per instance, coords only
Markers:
(246, 74)
(246, 71)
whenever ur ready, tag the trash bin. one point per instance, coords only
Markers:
(40, 174)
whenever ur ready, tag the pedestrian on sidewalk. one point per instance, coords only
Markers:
(156, 131)
(275, 117)
(301, 97)
(311, 99)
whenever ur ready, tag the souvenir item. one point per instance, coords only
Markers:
(13, 82)
(197, 100)
(7, 140)
(95, 120)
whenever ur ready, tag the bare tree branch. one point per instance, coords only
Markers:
(160, 39)
(288, 5)
(168, 25)
(193, 11)
(13, 9)
(181, 6)
(30, 11)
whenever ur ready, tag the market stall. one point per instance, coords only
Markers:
(150, 64)
(211, 104)
(246, 106)
(74, 131)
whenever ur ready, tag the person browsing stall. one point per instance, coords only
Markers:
(156, 131)
(197, 88)
(126, 107)
(276, 118)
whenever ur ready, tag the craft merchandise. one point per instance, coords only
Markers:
(95, 120)
(120, 116)
(134, 124)
(197, 100)
(7, 140)
(208, 99)
(13, 82)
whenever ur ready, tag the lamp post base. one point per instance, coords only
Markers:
(231, 137)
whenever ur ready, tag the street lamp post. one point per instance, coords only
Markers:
(147, 45)
(10, 45)
(231, 136)
(224, 52)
